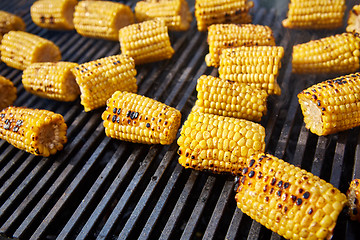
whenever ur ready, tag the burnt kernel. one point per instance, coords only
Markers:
(252, 161)
(251, 174)
(114, 110)
(19, 122)
(356, 183)
(7, 121)
(271, 190)
(278, 193)
(118, 119)
(128, 121)
(280, 183)
(192, 157)
(159, 120)
(187, 154)
(273, 181)
(265, 188)
(301, 190)
(2, 115)
(306, 195)
(293, 198)
(318, 102)
(179, 151)
(323, 109)
(128, 113)
(118, 111)
(51, 19)
(108, 117)
(314, 97)
(260, 175)
(187, 164)
(37, 151)
(286, 185)
(16, 128)
(285, 209)
(245, 170)
(166, 122)
(113, 118)
(243, 179)
(7, 126)
(152, 119)
(279, 205)
(42, 19)
(266, 198)
(146, 118)
(262, 158)
(147, 125)
(298, 201)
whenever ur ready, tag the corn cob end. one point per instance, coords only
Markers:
(7, 92)
(353, 195)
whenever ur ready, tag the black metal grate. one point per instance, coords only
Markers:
(101, 188)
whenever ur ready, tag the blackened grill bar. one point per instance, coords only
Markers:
(102, 188)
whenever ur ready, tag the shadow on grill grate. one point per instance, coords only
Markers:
(103, 188)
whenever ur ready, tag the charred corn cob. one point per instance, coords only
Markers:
(175, 13)
(256, 65)
(135, 118)
(51, 80)
(40, 132)
(54, 14)
(335, 54)
(217, 143)
(99, 79)
(9, 22)
(19, 49)
(208, 12)
(288, 200)
(7, 92)
(102, 19)
(222, 36)
(315, 14)
(332, 106)
(353, 195)
(230, 99)
(353, 23)
(146, 41)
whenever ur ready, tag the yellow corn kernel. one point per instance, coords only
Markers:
(315, 14)
(54, 14)
(7, 92)
(175, 13)
(285, 200)
(230, 99)
(19, 49)
(40, 132)
(51, 80)
(353, 195)
(332, 106)
(10, 22)
(353, 22)
(146, 41)
(217, 143)
(255, 65)
(222, 36)
(208, 12)
(100, 78)
(334, 54)
(102, 19)
(135, 118)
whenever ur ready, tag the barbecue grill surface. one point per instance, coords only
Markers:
(104, 188)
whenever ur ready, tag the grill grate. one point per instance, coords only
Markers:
(101, 188)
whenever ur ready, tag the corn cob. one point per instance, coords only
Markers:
(19, 49)
(288, 200)
(54, 14)
(9, 22)
(40, 132)
(135, 118)
(99, 79)
(315, 14)
(256, 65)
(353, 22)
(230, 99)
(208, 12)
(222, 36)
(146, 41)
(353, 195)
(7, 92)
(51, 80)
(175, 13)
(217, 143)
(102, 19)
(332, 106)
(335, 54)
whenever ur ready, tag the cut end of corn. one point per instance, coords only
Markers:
(40, 132)
(288, 200)
(218, 144)
(353, 23)
(353, 195)
(135, 118)
(10, 22)
(7, 92)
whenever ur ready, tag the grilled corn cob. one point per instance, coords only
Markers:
(102, 19)
(146, 41)
(54, 14)
(135, 118)
(353, 22)
(217, 143)
(288, 200)
(222, 36)
(99, 79)
(40, 132)
(332, 106)
(19, 49)
(51, 80)
(256, 65)
(208, 12)
(335, 54)
(315, 14)
(230, 99)
(175, 13)
(353, 195)
(7, 92)
(9, 22)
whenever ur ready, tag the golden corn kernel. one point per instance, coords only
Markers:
(10, 22)
(51, 80)
(100, 78)
(135, 118)
(7, 92)
(40, 132)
